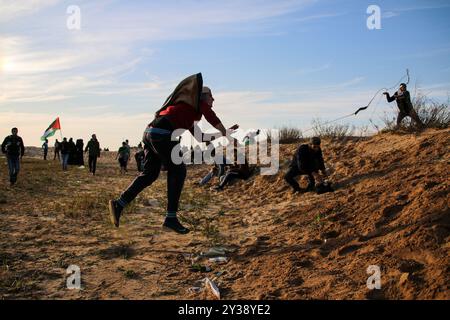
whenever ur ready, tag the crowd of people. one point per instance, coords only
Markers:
(189, 102)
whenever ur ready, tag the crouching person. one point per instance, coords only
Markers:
(308, 160)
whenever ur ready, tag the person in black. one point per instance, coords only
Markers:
(79, 158)
(45, 148)
(57, 150)
(14, 150)
(93, 147)
(65, 153)
(403, 99)
(139, 157)
(72, 152)
(308, 160)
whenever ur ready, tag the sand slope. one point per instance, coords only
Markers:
(391, 209)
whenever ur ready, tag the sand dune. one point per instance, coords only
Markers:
(390, 209)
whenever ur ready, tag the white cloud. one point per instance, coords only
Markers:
(12, 9)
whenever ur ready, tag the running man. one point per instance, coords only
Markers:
(186, 105)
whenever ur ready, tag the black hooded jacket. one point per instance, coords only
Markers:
(307, 160)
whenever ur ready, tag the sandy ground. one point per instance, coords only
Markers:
(390, 209)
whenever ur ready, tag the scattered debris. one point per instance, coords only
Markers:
(219, 259)
(199, 268)
(213, 287)
(404, 278)
(217, 252)
(195, 289)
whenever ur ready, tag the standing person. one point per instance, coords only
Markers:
(57, 149)
(72, 152)
(129, 153)
(45, 148)
(65, 153)
(139, 157)
(186, 105)
(308, 160)
(14, 150)
(405, 106)
(79, 158)
(123, 155)
(93, 147)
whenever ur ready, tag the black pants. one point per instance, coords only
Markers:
(56, 155)
(45, 154)
(92, 164)
(158, 151)
(294, 172)
(408, 113)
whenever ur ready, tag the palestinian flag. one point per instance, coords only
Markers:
(51, 129)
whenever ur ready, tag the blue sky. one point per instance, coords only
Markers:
(269, 63)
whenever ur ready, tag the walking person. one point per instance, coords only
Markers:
(93, 147)
(57, 149)
(45, 148)
(14, 150)
(139, 157)
(186, 105)
(65, 153)
(123, 154)
(72, 152)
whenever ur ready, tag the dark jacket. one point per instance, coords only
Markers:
(307, 160)
(403, 101)
(65, 147)
(13, 146)
(94, 148)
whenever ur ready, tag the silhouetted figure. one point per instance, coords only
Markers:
(79, 158)
(403, 99)
(123, 154)
(139, 157)
(308, 160)
(45, 148)
(72, 152)
(14, 150)
(57, 150)
(93, 147)
(65, 153)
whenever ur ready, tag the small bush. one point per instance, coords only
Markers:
(332, 130)
(287, 135)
